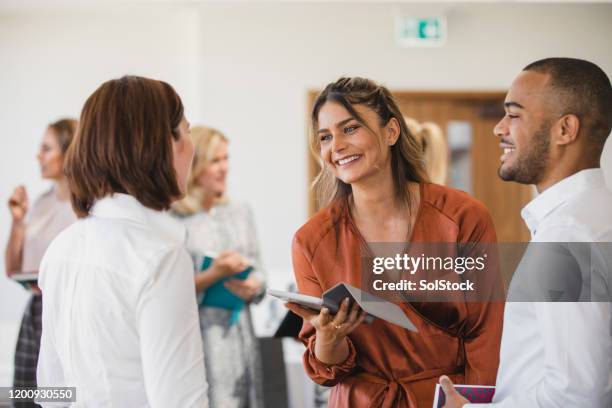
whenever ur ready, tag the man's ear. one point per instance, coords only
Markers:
(566, 129)
(392, 131)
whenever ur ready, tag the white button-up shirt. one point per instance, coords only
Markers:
(120, 320)
(560, 354)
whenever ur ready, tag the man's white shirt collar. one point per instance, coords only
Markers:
(557, 194)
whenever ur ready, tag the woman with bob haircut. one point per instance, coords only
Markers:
(374, 185)
(120, 321)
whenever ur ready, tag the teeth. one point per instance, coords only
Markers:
(347, 160)
(508, 150)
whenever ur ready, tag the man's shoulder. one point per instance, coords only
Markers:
(585, 217)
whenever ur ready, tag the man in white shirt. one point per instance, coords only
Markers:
(558, 354)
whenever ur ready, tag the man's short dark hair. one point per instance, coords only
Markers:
(124, 144)
(583, 89)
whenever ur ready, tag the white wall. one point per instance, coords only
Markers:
(245, 68)
(50, 63)
(259, 60)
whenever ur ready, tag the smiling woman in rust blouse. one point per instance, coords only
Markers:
(376, 189)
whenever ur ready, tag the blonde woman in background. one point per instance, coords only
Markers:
(224, 231)
(32, 231)
(435, 149)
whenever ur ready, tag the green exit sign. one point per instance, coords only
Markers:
(420, 31)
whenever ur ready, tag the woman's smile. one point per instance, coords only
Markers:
(347, 160)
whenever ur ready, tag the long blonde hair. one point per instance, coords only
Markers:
(435, 149)
(205, 141)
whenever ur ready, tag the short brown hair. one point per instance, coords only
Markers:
(123, 144)
(64, 132)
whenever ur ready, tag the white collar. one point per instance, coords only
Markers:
(126, 207)
(555, 195)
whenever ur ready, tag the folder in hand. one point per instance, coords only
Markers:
(374, 306)
(25, 279)
(217, 295)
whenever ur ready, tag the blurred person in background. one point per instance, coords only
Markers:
(435, 149)
(32, 231)
(119, 319)
(221, 233)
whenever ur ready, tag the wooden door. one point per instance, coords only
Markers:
(474, 115)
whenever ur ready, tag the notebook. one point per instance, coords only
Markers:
(474, 393)
(25, 277)
(374, 306)
(217, 295)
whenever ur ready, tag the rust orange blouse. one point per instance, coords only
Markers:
(387, 365)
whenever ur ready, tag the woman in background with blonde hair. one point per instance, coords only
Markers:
(223, 243)
(435, 149)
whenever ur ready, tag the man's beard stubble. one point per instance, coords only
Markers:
(531, 164)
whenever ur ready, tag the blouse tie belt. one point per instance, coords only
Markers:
(393, 386)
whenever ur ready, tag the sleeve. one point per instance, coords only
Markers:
(476, 224)
(171, 343)
(255, 254)
(578, 363)
(577, 338)
(482, 342)
(49, 370)
(307, 283)
(483, 328)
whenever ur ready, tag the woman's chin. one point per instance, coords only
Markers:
(348, 181)
(348, 178)
(51, 175)
(219, 193)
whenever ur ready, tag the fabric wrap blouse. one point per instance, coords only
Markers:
(389, 366)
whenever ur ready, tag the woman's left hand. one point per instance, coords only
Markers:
(245, 289)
